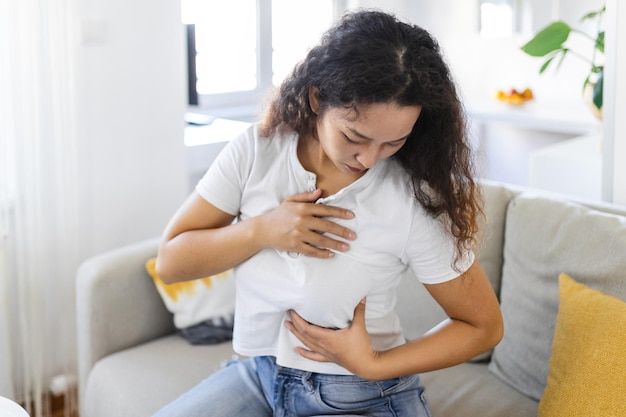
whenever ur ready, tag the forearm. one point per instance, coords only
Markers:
(201, 239)
(200, 253)
(475, 326)
(450, 343)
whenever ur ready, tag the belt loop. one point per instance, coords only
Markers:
(307, 381)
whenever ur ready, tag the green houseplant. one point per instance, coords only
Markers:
(550, 42)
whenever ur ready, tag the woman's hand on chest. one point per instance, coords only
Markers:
(299, 225)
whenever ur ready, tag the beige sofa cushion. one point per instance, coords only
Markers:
(489, 250)
(470, 390)
(544, 238)
(140, 380)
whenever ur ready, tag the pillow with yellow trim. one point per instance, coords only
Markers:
(203, 309)
(588, 361)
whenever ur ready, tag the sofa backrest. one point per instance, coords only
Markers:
(529, 238)
(544, 237)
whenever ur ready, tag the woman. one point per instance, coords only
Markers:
(360, 170)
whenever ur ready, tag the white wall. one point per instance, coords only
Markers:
(128, 91)
(130, 88)
(481, 66)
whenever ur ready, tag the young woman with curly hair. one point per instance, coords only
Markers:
(360, 170)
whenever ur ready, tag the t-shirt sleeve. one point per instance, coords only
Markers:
(431, 251)
(223, 183)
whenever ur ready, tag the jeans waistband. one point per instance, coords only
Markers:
(299, 373)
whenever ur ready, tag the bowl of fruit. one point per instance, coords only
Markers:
(514, 96)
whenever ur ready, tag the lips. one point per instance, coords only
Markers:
(355, 170)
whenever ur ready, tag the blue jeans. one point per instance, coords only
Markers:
(258, 387)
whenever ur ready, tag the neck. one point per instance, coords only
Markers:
(329, 178)
(312, 156)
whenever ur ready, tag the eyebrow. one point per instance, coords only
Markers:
(362, 136)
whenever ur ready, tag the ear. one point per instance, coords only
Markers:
(314, 99)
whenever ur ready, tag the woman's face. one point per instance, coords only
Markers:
(356, 140)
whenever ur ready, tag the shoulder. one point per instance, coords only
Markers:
(253, 141)
(393, 183)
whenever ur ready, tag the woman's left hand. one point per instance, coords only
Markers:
(350, 347)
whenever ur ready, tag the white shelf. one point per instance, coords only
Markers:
(218, 131)
(536, 115)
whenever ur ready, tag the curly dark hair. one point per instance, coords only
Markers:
(372, 57)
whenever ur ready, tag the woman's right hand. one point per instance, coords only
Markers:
(202, 240)
(298, 225)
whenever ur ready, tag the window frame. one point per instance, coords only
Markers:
(240, 103)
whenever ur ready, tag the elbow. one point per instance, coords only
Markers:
(489, 333)
(165, 270)
(170, 268)
(162, 271)
(495, 331)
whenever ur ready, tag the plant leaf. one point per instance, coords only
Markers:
(563, 53)
(548, 39)
(545, 65)
(594, 14)
(597, 90)
(600, 41)
(587, 80)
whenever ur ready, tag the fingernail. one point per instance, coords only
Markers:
(349, 213)
(345, 246)
(351, 235)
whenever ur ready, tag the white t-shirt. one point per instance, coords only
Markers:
(252, 176)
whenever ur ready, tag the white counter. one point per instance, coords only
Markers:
(203, 143)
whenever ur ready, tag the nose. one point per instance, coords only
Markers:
(368, 156)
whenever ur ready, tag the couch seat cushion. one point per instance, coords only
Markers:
(470, 390)
(138, 381)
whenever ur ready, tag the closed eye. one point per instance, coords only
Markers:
(396, 143)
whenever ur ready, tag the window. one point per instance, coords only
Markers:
(503, 18)
(238, 49)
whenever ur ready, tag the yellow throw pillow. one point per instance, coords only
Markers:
(206, 302)
(587, 375)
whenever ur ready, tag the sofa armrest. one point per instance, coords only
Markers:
(117, 304)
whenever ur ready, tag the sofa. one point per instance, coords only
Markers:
(132, 360)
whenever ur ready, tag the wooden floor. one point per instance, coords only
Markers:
(58, 406)
(64, 407)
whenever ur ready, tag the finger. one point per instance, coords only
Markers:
(328, 226)
(305, 336)
(308, 197)
(304, 330)
(359, 314)
(320, 241)
(309, 354)
(313, 252)
(296, 321)
(322, 210)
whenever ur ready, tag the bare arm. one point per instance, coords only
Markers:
(202, 240)
(474, 326)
